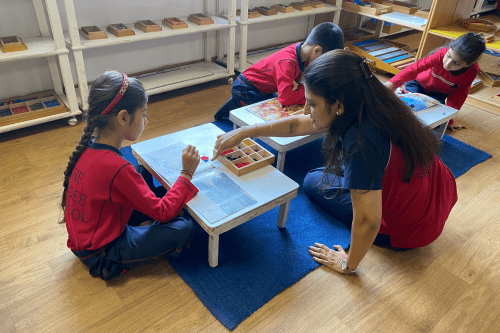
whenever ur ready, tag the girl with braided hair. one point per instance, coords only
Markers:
(382, 177)
(106, 200)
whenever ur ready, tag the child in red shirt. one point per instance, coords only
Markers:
(447, 74)
(281, 71)
(105, 197)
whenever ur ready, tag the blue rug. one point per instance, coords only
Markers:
(257, 260)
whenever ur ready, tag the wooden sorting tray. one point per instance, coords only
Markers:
(374, 9)
(266, 11)
(403, 7)
(92, 32)
(200, 19)
(120, 30)
(12, 44)
(147, 26)
(248, 151)
(252, 13)
(283, 8)
(33, 106)
(174, 23)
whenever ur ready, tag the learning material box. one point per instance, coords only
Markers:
(147, 26)
(315, 3)
(120, 30)
(246, 157)
(373, 9)
(23, 108)
(12, 44)
(301, 6)
(174, 23)
(403, 7)
(283, 8)
(252, 13)
(92, 32)
(200, 19)
(266, 11)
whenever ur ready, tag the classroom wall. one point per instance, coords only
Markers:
(17, 17)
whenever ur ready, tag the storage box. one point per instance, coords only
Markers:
(388, 28)
(283, 8)
(120, 30)
(374, 9)
(315, 4)
(147, 26)
(354, 35)
(92, 32)
(421, 13)
(174, 23)
(12, 44)
(301, 6)
(402, 7)
(246, 157)
(252, 13)
(38, 105)
(491, 80)
(477, 24)
(267, 11)
(200, 19)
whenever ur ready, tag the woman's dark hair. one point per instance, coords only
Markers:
(468, 47)
(338, 76)
(102, 92)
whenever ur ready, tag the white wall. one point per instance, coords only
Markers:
(17, 17)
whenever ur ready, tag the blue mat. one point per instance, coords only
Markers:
(257, 260)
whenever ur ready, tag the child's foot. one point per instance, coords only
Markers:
(148, 222)
(455, 126)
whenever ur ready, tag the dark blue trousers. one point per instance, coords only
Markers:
(415, 87)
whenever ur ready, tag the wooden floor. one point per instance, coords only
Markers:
(452, 285)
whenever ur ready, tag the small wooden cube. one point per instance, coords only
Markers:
(147, 26)
(92, 32)
(283, 8)
(120, 30)
(12, 44)
(252, 13)
(200, 19)
(267, 11)
(301, 6)
(315, 3)
(174, 23)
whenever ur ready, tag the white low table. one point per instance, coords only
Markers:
(267, 186)
(435, 117)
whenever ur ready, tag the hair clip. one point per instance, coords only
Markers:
(366, 67)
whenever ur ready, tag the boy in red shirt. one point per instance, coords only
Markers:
(281, 71)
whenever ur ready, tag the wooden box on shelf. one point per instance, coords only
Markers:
(315, 4)
(421, 13)
(402, 7)
(489, 79)
(200, 19)
(477, 24)
(266, 11)
(92, 32)
(352, 35)
(174, 23)
(374, 9)
(28, 107)
(246, 157)
(301, 6)
(12, 43)
(120, 30)
(252, 13)
(388, 29)
(283, 8)
(147, 26)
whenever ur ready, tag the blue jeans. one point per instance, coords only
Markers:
(243, 93)
(415, 87)
(138, 244)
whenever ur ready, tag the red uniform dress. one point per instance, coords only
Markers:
(277, 73)
(103, 191)
(433, 77)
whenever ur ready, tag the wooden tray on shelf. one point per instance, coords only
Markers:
(477, 24)
(252, 13)
(402, 7)
(246, 157)
(283, 8)
(266, 11)
(200, 19)
(120, 30)
(92, 32)
(315, 4)
(174, 23)
(374, 9)
(301, 6)
(147, 26)
(12, 44)
(23, 108)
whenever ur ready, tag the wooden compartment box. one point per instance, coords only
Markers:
(28, 107)
(283, 8)
(174, 23)
(120, 30)
(12, 44)
(246, 157)
(92, 32)
(266, 11)
(403, 7)
(374, 9)
(301, 6)
(315, 4)
(252, 13)
(147, 26)
(388, 29)
(200, 19)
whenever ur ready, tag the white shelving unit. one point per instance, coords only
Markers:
(50, 44)
(245, 60)
(482, 6)
(161, 81)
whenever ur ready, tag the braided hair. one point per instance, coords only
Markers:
(103, 91)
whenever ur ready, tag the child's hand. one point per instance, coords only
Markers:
(190, 159)
(389, 85)
(226, 141)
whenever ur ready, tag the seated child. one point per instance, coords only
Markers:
(446, 75)
(281, 71)
(104, 197)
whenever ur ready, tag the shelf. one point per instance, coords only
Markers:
(38, 47)
(391, 20)
(283, 16)
(455, 31)
(219, 23)
(487, 7)
(256, 56)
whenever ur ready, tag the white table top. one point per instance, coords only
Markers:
(269, 187)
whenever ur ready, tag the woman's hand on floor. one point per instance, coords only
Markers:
(328, 257)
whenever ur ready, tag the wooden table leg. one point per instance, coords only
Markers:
(213, 250)
(283, 214)
(280, 164)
